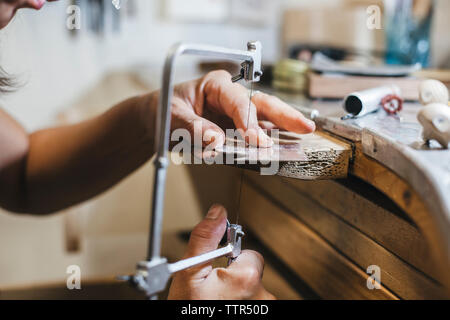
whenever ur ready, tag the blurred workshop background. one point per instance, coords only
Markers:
(69, 75)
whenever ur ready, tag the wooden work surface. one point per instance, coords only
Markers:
(387, 153)
(315, 156)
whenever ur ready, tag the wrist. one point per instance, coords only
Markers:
(148, 112)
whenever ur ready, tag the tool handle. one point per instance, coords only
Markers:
(201, 259)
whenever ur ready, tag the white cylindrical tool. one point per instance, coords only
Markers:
(364, 102)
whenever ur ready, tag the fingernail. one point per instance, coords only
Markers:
(312, 125)
(211, 136)
(264, 139)
(214, 212)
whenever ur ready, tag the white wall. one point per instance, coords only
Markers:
(56, 68)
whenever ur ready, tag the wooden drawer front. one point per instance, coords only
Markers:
(327, 272)
(364, 213)
(283, 208)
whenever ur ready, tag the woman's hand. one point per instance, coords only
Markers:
(214, 100)
(240, 281)
(55, 168)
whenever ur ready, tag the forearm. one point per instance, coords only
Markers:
(68, 165)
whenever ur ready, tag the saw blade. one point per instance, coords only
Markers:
(238, 209)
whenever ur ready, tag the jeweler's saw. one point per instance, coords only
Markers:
(152, 275)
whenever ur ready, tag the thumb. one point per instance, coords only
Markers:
(207, 234)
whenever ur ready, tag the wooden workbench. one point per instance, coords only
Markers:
(388, 206)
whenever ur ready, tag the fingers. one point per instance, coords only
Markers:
(207, 132)
(249, 264)
(281, 114)
(244, 276)
(267, 125)
(205, 237)
(246, 272)
(233, 100)
(207, 234)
